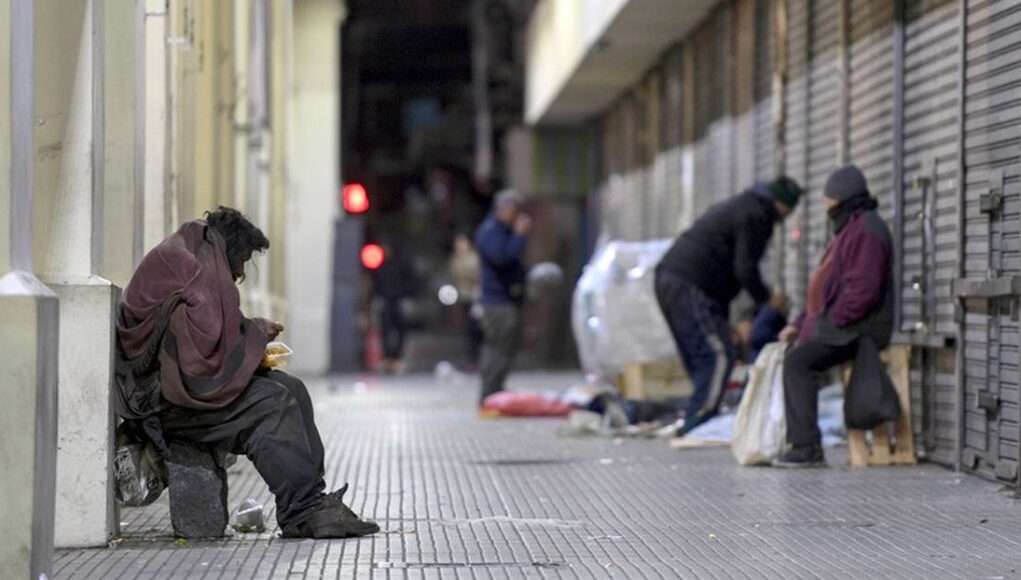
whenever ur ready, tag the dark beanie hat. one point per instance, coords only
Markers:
(786, 191)
(845, 183)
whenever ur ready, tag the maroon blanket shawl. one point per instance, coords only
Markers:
(209, 351)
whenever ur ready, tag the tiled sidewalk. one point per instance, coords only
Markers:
(459, 497)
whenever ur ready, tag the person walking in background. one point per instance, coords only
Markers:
(704, 271)
(392, 283)
(850, 299)
(501, 241)
(465, 270)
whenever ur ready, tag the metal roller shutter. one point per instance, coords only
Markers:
(992, 156)
(870, 103)
(929, 227)
(824, 105)
(795, 265)
(706, 103)
(673, 75)
(722, 128)
(765, 136)
(744, 76)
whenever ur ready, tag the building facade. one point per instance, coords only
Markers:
(694, 100)
(119, 120)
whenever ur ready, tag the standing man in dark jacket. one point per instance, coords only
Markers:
(850, 298)
(704, 271)
(500, 241)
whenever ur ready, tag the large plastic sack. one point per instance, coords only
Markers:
(760, 429)
(615, 316)
(517, 404)
(139, 471)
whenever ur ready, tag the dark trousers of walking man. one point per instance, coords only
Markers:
(501, 330)
(699, 327)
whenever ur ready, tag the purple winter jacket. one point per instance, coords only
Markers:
(858, 293)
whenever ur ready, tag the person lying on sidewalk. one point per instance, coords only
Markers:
(188, 368)
(850, 299)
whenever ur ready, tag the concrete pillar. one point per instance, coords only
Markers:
(154, 123)
(28, 336)
(314, 180)
(69, 188)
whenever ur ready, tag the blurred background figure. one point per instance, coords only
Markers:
(393, 282)
(465, 271)
(501, 242)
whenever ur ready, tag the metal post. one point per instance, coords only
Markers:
(961, 208)
(898, 161)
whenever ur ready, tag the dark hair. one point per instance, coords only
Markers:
(241, 237)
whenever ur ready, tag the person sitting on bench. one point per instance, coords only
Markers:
(189, 370)
(850, 299)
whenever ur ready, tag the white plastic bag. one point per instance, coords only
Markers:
(760, 429)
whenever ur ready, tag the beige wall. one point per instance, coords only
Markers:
(5, 136)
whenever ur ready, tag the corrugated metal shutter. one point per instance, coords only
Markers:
(992, 157)
(870, 111)
(722, 128)
(795, 148)
(744, 94)
(824, 109)
(929, 231)
(706, 100)
(673, 111)
(765, 136)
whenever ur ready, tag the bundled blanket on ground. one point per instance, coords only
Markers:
(180, 330)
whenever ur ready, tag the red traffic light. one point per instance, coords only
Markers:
(372, 256)
(356, 199)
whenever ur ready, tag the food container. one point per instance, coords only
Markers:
(277, 355)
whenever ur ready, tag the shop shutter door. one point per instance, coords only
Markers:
(992, 156)
(929, 231)
(824, 104)
(744, 76)
(795, 266)
(673, 78)
(765, 136)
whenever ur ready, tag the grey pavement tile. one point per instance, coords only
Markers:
(458, 497)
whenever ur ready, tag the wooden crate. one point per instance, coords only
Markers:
(657, 380)
(881, 452)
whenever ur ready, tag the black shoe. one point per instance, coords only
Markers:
(333, 519)
(801, 456)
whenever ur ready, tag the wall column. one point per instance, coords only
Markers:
(29, 310)
(70, 162)
(314, 180)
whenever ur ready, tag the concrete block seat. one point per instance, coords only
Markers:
(197, 482)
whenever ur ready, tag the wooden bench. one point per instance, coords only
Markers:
(886, 447)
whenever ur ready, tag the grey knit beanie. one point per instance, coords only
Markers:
(845, 183)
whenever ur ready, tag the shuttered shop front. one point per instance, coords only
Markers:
(929, 231)
(992, 212)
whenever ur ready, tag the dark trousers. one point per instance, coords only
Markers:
(473, 333)
(272, 424)
(700, 329)
(392, 321)
(803, 368)
(501, 330)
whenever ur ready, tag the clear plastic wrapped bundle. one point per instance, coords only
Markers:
(615, 316)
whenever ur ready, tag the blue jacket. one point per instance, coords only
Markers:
(503, 273)
(765, 329)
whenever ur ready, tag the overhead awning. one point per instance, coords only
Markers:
(582, 54)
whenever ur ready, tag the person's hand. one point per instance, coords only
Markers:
(522, 224)
(273, 329)
(789, 333)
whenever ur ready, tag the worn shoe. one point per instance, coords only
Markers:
(801, 456)
(333, 520)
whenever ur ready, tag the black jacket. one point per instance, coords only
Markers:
(720, 253)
